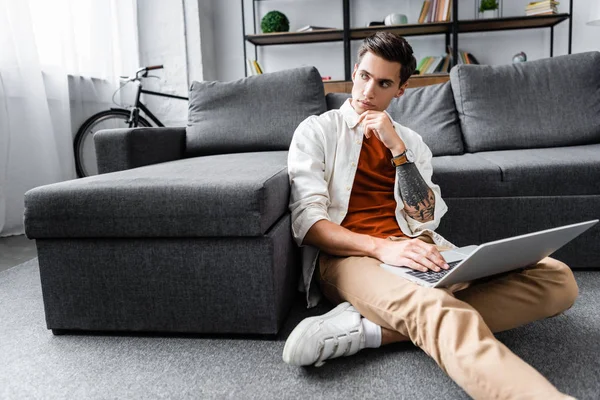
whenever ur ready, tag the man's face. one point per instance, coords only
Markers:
(376, 83)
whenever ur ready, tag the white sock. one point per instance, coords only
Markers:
(372, 333)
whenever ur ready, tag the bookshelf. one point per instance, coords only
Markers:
(451, 30)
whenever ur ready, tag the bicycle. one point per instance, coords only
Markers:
(85, 154)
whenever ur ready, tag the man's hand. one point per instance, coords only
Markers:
(412, 253)
(377, 123)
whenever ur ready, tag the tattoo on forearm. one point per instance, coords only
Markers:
(418, 198)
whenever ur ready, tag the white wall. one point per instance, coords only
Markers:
(207, 32)
(490, 48)
(161, 32)
(177, 34)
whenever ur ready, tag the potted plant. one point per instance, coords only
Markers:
(488, 8)
(274, 21)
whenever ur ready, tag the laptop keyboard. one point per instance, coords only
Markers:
(432, 276)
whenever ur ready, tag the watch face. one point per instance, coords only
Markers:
(410, 156)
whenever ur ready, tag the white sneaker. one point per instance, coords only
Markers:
(335, 334)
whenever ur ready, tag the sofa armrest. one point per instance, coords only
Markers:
(121, 149)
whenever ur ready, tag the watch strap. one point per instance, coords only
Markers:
(400, 159)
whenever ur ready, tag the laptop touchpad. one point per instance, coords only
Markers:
(457, 254)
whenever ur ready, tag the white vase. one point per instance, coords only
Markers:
(488, 14)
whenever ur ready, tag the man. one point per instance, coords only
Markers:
(362, 195)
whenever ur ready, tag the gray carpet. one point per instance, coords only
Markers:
(36, 364)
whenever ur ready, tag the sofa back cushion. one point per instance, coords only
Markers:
(427, 110)
(545, 103)
(257, 113)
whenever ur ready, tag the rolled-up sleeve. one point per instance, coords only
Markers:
(309, 198)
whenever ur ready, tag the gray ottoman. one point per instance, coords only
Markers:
(168, 247)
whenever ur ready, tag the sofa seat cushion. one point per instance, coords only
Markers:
(561, 171)
(467, 175)
(240, 194)
(557, 171)
(427, 110)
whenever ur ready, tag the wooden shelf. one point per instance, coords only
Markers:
(323, 35)
(427, 79)
(504, 24)
(436, 28)
(413, 82)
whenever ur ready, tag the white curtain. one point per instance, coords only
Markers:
(59, 63)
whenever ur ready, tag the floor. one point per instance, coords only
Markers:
(15, 250)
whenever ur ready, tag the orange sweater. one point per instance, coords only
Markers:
(372, 207)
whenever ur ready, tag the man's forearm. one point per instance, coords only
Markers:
(418, 198)
(339, 241)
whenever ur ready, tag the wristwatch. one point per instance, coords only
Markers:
(403, 158)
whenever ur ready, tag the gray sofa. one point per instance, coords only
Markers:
(187, 229)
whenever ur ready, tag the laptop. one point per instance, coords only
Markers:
(474, 262)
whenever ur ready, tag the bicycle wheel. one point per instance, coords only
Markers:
(85, 151)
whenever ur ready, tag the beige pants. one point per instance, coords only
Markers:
(454, 325)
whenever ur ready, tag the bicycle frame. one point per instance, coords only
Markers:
(133, 119)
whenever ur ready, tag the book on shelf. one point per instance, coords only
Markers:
(472, 59)
(442, 64)
(433, 64)
(545, 12)
(310, 28)
(447, 10)
(253, 67)
(257, 67)
(439, 69)
(544, 3)
(424, 11)
(435, 11)
(542, 8)
(464, 57)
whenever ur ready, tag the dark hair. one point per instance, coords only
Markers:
(390, 47)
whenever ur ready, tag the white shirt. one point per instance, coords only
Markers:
(322, 163)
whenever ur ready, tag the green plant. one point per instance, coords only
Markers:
(487, 5)
(274, 21)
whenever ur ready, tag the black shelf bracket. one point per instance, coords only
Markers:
(454, 32)
(254, 25)
(570, 25)
(347, 58)
(551, 41)
(244, 38)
